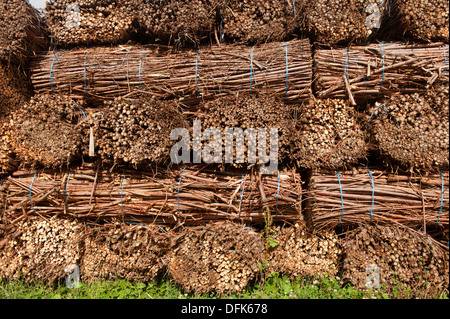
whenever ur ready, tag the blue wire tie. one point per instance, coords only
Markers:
(278, 192)
(85, 82)
(140, 70)
(84, 114)
(242, 192)
(295, 13)
(178, 193)
(67, 184)
(342, 197)
(346, 64)
(31, 185)
(373, 112)
(252, 71)
(442, 197)
(373, 193)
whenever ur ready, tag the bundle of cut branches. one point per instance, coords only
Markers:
(364, 73)
(328, 134)
(179, 21)
(342, 22)
(8, 160)
(221, 257)
(44, 131)
(14, 87)
(373, 195)
(421, 20)
(259, 21)
(403, 258)
(22, 33)
(412, 129)
(251, 113)
(188, 75)
(88, 22)
(135, 130)
(191, 195)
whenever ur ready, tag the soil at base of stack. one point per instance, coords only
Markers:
(221, 257)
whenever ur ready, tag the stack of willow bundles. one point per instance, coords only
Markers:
(22, 32)
(341, 22)
(405, 258)
(91, 21)
(412, 129)
(221, 257)
(422, 20)
(135, 131)
(328, 134)
(372, 195)
(188, 75)
(45, 131)
(259, 21)
(178, 21)
(248, 111)
(362, 73)
(192, 195)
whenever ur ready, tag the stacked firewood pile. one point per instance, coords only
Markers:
(329, 133)
(22, 32)
(413, 129)
(91, 21)
(14, 87)
(426, 20)
(405, 259)
(220, 257)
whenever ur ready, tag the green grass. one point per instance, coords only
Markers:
(274, 287)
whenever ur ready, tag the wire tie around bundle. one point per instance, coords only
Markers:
(445, 61)
(178, 193)
(140, 70)
(252, 71)
(85, 83)
(373, 193)
(342, 197)
(51, 71)
(382, 75)
(442, 197)
(373, 112)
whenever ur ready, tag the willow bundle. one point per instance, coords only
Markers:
(363, 196)
(192, 195)
(328, 134)
(44, 131)
(39, 250)
(248, 111)
(22, 32)
(412, 129)
(300, 253)
(259, 21)
(91, 21)
(179, 21)
(188, 75)
(405, 258)
(14, 87)
(342, 22)
(422, 20)
(135, 130)
(221, 257)
(362, 73)
(132, 252)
